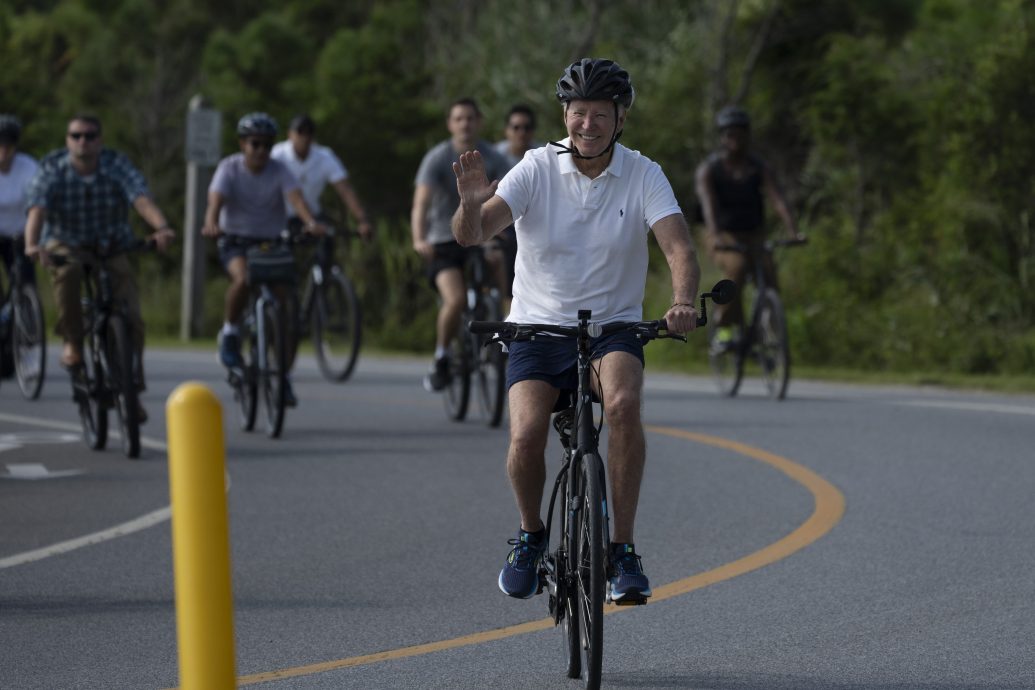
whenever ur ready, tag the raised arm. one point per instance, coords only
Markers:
(351, 200)
(674, 239)
(706, 197)
(481, 213)
(779, 203)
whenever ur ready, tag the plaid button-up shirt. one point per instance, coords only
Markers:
(86, 210)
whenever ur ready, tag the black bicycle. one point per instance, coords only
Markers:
(110, 375)
(263, 331)
(474, 359)
(331, 311)
(23, 334)
(576, 572)
(765, 337)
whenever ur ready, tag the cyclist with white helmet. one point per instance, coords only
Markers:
(246, 198)
(582, 209)
(732, 186)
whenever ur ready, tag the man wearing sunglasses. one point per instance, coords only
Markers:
(518, 134)
(246, 198)
(80, 199)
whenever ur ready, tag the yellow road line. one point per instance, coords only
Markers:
(829, 508)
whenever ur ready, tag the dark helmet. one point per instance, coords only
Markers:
(10, 129)
(595, 79)
(256, 125)
(732, 116)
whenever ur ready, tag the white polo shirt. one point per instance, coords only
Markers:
(319, 169)
(13, 184)
(582, 243)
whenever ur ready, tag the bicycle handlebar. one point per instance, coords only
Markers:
(768, 246)
(508, 331)
(138, 245)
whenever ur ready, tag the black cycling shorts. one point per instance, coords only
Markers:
(447, 255)
(555, 360)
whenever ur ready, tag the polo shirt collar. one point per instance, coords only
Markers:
(567, 162)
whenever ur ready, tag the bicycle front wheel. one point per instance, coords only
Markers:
(725, 360)
(773, 352)
(457, 394)
(491, 377)
(591, 573)
(246, 389)
(86, 387)
(337, 326)
(118, 371)
(29, 341)
(273, 375)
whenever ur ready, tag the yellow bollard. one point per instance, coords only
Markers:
(201, 540)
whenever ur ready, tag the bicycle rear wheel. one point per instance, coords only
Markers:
(491, 378)
(772, 349)
(28, 341)
(590, 575)
(86, 387)
(118, 372)
(457, 394)
(725, 360)
(337, 326)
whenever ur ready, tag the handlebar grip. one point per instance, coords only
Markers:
(702, 321)
(484, 327)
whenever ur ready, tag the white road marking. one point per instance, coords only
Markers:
(971, 406)
(35, 470)
(141, 523)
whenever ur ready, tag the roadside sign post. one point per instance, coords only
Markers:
(203, 148)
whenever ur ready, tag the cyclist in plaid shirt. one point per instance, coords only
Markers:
(80, 199)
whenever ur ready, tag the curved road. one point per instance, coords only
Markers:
(847, 538)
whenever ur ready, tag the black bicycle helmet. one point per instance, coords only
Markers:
(256, 125)
(10, 129)
(732, 116)
(596, 79)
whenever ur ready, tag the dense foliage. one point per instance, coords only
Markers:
(901, 130)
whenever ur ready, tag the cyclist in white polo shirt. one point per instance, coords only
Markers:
(316, 166)
(582, 209)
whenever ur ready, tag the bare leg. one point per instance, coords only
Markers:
(450, 284)
(530, 405)
(621, 382)
(237, 291)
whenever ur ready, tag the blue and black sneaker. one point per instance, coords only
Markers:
(230, 350)
(628, 584)
(520, 575)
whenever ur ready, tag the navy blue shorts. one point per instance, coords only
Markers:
(555, 360)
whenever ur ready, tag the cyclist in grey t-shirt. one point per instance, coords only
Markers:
(246, 198)
(435, 200)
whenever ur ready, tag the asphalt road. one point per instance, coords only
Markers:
(848, 537)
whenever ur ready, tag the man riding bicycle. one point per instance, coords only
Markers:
(434, 201)
(80, 199)
(315, 166)
(246, 199)
(582, 212)
(730, 187)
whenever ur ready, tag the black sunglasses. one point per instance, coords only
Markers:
(260, 143)
(523, 128)
(89, 136)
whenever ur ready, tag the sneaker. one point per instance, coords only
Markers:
(520, 575)
(628, 583)
(230, 350)
(438, 377)
(289, 394)
(726, 339)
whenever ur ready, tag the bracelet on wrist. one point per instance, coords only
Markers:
(682, 304)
